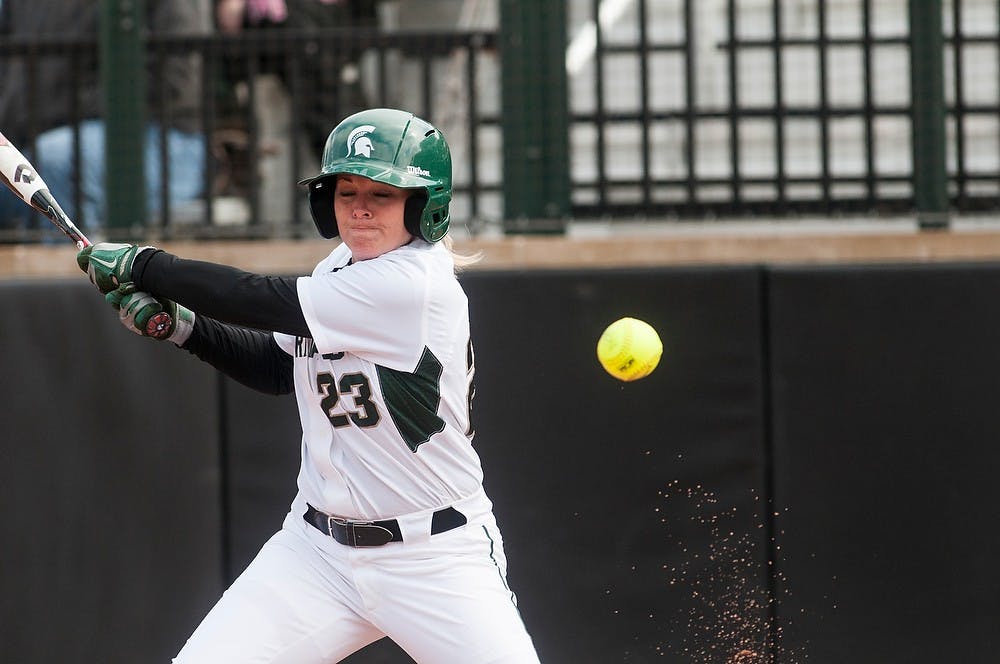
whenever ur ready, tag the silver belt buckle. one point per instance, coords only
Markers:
(330, 520)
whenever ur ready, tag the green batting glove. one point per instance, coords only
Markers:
(137, 311)
(108, 264)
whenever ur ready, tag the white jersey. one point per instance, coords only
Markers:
(383, 387)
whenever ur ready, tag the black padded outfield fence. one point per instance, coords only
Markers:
(806, 474)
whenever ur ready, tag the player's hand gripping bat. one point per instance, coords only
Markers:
(20, 176)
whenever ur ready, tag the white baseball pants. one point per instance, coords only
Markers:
(306, 599)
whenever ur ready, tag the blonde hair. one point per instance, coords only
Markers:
(462, 261)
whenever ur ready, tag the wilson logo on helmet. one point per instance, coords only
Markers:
(358, 142)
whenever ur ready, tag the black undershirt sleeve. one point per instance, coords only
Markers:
(250, 357)
(224, 293)
(236, 312)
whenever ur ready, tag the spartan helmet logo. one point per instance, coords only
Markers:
(358, 142)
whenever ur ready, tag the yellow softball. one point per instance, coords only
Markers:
(629, 349)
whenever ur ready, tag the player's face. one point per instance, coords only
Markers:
(370, 216)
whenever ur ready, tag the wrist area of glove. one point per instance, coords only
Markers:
(108, 264)
(183, 324)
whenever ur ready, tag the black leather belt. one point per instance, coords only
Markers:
(376, 533)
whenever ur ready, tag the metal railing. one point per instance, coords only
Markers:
(775, 108)
(672, 112)
(269, 99)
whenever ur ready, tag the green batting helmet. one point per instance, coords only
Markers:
(394, 147)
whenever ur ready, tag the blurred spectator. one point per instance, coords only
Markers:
(44, 126)
(329, 73)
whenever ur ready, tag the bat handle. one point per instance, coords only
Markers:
(75, 233)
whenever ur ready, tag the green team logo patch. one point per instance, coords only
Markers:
(413, 399)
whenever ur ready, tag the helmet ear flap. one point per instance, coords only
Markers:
(413, 214)
(321, 196)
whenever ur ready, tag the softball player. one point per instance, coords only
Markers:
(390, 533)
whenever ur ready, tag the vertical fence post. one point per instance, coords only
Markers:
(930, 175)
(535, 116)
(122, 72)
